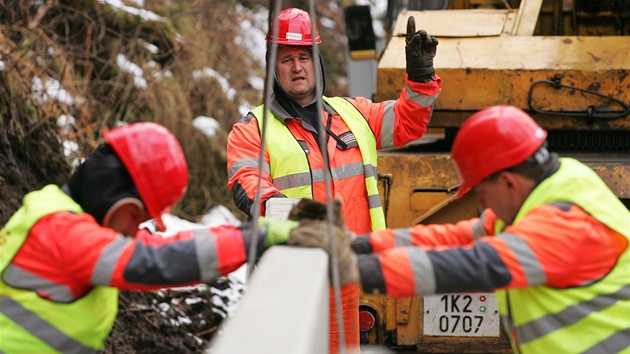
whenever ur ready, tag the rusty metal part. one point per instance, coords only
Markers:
(398, 322)
(424, 185)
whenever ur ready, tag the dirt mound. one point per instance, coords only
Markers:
(181, 320)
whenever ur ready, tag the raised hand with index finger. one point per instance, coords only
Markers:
(420, 50)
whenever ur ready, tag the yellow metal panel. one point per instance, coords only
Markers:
(480, 72)
(416, 176)
(527, 17)
(615, 171)
(409, 332)
(461, 23)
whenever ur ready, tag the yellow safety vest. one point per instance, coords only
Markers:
(31, 324)
(287, 157)
(546, 319)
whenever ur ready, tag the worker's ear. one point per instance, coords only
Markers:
(516, 184)
(128, 206)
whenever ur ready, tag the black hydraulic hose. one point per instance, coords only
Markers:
(589, 112)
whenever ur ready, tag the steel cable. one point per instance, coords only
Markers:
(323, 137)
(269, 79)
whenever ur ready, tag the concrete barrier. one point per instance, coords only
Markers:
(284, 309)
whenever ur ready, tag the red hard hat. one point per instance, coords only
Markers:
(294, 28)
(492, 140)
(155, 160)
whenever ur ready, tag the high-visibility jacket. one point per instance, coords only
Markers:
(546, 319)
(562, 268)
(61, 271)
(392, 123)
(32, 324)
(289, 165)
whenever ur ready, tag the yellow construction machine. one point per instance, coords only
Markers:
(565, 62)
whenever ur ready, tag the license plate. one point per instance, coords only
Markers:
(461, 314)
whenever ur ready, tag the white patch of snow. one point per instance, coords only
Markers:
(131, 68)
(192, 301)
(164, 307)
(51, 88)
(138, 3)
(184, 320)
(257, 83)
(219, 215)
(65, 121)
(145, 14)
(152, 48)
(244, 108)
(328, 22)
(253, 31)
(208, 72)
(207, 125)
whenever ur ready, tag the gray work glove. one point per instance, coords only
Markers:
(420, 50)
(310, 209)
(315, 233)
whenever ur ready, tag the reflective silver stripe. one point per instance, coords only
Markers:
(402, 238)
(102, 274)
(506, 322)
(20, 278)
(206, 247)
(319, 175)
(374, 201)
(387, 125)
(572, 314)
(531, 266)
(478, 230)
(348, 171)
(613, 344)
(370, 171)
(40, 328)
(338, 173)
(421, 99)
(291, 181)
(253, 163)
(423, 274)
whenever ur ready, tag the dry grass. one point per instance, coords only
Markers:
(77, 43)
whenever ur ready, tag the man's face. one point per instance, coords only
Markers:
(501, 194)
(296, 73)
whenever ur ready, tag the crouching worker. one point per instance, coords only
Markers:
(552, 240)
(65, 253)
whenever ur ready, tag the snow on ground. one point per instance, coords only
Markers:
(225, 301)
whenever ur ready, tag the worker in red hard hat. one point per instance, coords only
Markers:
(65, 253)
(355, 127)
(552, 240)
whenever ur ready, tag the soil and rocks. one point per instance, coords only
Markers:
(181, 320)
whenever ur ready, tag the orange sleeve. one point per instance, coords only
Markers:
(243, 156)
(550, 246)
(398, 274)
(398, 122)
(425, 235)
(572, 247)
